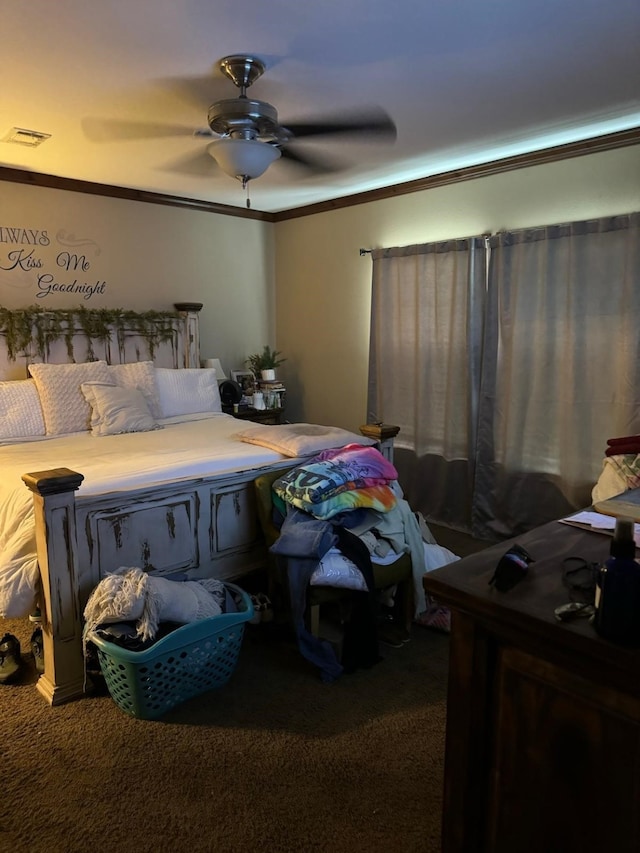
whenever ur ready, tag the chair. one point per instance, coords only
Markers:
(399, 573)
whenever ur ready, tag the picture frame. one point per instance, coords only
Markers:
(245, 379)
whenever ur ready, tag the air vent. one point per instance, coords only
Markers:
(20, 136)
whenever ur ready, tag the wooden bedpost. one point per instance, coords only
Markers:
(189, 313)
(384, 434)
(54, 509)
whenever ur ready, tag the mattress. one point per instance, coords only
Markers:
(184, 449)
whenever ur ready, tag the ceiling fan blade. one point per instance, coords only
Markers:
(197, 164)
(318, 165)
(370, 123)
(121, 130)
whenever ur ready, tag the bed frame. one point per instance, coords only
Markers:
(201, 528)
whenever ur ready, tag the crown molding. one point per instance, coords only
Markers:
(608, 142)
(38, 179)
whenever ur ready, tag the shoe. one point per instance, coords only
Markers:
(267, 610)
(257, 611)
(262, 609)
(37, 650)
(435, 616)
(392, 636)
(10, 660)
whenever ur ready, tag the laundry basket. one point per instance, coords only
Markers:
(192, 659)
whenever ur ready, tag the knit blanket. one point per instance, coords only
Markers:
(133, 595)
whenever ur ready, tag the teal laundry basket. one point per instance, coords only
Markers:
(194, 658)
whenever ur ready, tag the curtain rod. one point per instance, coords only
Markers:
(485, 236)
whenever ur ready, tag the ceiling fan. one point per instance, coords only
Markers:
(247, 136)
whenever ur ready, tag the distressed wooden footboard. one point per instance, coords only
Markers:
(202, 528)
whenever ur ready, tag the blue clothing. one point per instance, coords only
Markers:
(301, 535)
(302, 542)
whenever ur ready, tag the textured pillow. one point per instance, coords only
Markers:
(187, 391)
(301, 439)
(115, 409)
(140, 375)
(20, 410)
(63, 404)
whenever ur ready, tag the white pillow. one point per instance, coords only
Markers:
(20, 410)
(140, 375)
(187, 391)
(115, 409)
(63, 404)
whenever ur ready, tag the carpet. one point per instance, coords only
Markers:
(274, 761)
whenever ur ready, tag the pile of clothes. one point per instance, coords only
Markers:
(626, 444)
(344, 508)
(620, 469)
(128, 606)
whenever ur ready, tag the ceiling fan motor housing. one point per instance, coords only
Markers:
(244, 119)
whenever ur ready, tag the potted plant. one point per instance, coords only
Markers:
(265, 363)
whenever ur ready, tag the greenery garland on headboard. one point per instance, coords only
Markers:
(26, 328)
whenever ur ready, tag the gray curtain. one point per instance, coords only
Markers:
(507, 364)
(561, 370)
(424, 368)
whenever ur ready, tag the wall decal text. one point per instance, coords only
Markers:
(31, 251)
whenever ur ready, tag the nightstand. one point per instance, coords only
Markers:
(259, 416)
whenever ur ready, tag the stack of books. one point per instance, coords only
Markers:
(274, 393)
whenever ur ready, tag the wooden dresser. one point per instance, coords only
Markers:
(543, 717)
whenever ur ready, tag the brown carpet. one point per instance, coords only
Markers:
(274, 761)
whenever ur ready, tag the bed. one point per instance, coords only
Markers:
(173, 494)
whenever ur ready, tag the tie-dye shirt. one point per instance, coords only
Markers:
(340, 480)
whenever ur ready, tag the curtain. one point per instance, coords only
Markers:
(425, 353)
(561, 370)
(507, 364)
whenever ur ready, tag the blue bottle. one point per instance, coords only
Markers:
(617, 603)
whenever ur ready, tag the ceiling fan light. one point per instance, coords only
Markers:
(243, 158)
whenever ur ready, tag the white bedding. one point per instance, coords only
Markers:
(199, 446)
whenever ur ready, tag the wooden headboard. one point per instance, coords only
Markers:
(168, 338)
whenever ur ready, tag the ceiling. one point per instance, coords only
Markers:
(465, 83)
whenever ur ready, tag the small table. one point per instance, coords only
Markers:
(543, 717)
(261, 416)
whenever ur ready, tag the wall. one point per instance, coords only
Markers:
(142, 256)
(300, 284)
(323, 284)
